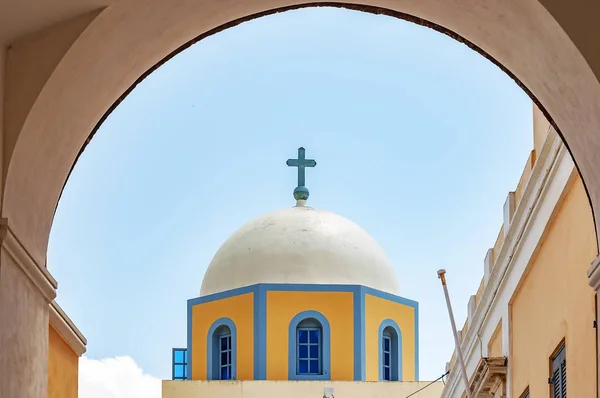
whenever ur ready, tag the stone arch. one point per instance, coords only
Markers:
(549, 46)
(99, 68)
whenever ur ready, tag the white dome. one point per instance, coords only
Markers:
(299, 245)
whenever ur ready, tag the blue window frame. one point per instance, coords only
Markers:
(390, 351)
(222, 350)
(225, 351)
(309, 348)
(180, 361)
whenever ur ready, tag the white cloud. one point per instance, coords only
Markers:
(118, 377)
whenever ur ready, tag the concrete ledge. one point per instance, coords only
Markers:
(37, 273)
(297, 389)
(65, 327)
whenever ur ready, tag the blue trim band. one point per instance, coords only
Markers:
(212, 349)
(396, 349)
(416, 307)
(359, 335)
(326, 349)
(260, 337)
(189, 339)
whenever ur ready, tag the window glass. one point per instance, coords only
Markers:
(309, 348)
(225, 356)
(386, 355)
(179, 364)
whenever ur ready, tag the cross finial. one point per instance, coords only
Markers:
(301, 192)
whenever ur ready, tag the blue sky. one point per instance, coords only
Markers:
(418, 139)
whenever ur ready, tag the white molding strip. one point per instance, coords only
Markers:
(37, 273)
(65, 327)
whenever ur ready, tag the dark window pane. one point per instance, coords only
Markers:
(229, 357)
(386, 344)
(386, 374)
(225, 373)
(314, 351)
(224, 359)
(302, 336)
(303, 366)
(314, 336)
(314, 366)
(179, 356)
(386, 359)
(229, 342)
(302, 351)
(178, 371)
(223, 343)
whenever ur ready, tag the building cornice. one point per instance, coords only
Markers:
(37, 273)
(488, 375)
(552, 153)
(65, 327)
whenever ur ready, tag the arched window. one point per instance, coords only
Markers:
(221, 358)
(225, 351)
(309, 352)
(390, 351)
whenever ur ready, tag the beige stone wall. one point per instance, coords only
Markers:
(297, 389)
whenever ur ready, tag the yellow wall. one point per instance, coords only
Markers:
(63, 365)
(241, 311)
(337, 307)
(376, 311)
(555, 302)
(495, 343)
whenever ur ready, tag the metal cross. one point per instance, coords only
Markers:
(301, 163)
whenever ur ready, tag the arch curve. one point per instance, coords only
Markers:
(100, 69)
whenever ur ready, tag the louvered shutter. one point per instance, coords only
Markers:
(559, 374)
(525, 394)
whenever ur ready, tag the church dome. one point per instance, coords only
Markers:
(299, 245)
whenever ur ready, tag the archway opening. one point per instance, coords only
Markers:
(395, 97)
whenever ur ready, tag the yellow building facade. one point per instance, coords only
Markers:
(531, 326)
(66, 345)
(345, 325)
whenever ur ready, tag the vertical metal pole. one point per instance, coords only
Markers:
(442, 275)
